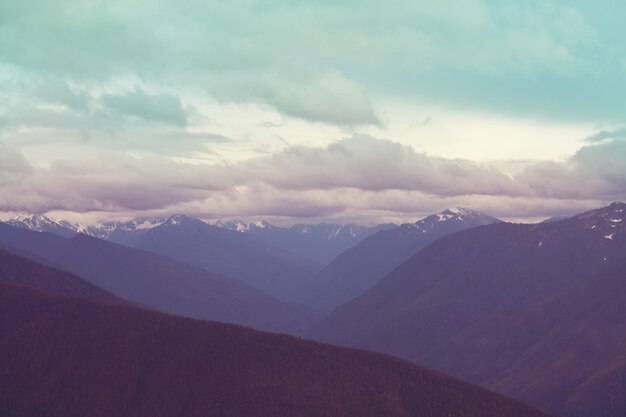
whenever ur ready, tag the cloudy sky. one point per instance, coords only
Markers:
(306, 111)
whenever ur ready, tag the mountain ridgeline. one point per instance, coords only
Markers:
(275, 260)
(535, 311)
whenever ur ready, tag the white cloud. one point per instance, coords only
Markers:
(331, 98)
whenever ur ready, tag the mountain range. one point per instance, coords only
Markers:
(318, 242)
(531, 311)
(535, 311)
(275, 260)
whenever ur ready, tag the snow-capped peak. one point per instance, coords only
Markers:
(455, 215)
(241, 226)
(42, 223)
(34, 220)
(37, 222)
(108, 229)
(176, 220)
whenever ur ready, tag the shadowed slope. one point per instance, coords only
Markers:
(62, 357)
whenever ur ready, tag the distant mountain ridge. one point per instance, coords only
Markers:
(266, 267)
(117, 232)
(366, 263)
(153, 280)
(318, 242)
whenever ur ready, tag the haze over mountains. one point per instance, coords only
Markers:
(275, 260)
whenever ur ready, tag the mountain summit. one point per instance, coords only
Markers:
(42, 223)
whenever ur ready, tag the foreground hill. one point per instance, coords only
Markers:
(70, 357)
(535, 311)
(364, 265)
(155, 281)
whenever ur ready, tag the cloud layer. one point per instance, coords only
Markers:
(238, 108)
(359, 177)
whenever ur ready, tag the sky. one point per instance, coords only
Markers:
(309, 111)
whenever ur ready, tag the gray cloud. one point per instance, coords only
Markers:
(59, 92)
(596, 171)
(165, 108)
(367, 163)
(607, 134)
(360, 177)
(110, 183)
(331, 98)
(12, 164)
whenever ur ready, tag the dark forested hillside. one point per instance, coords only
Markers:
(71, 358)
